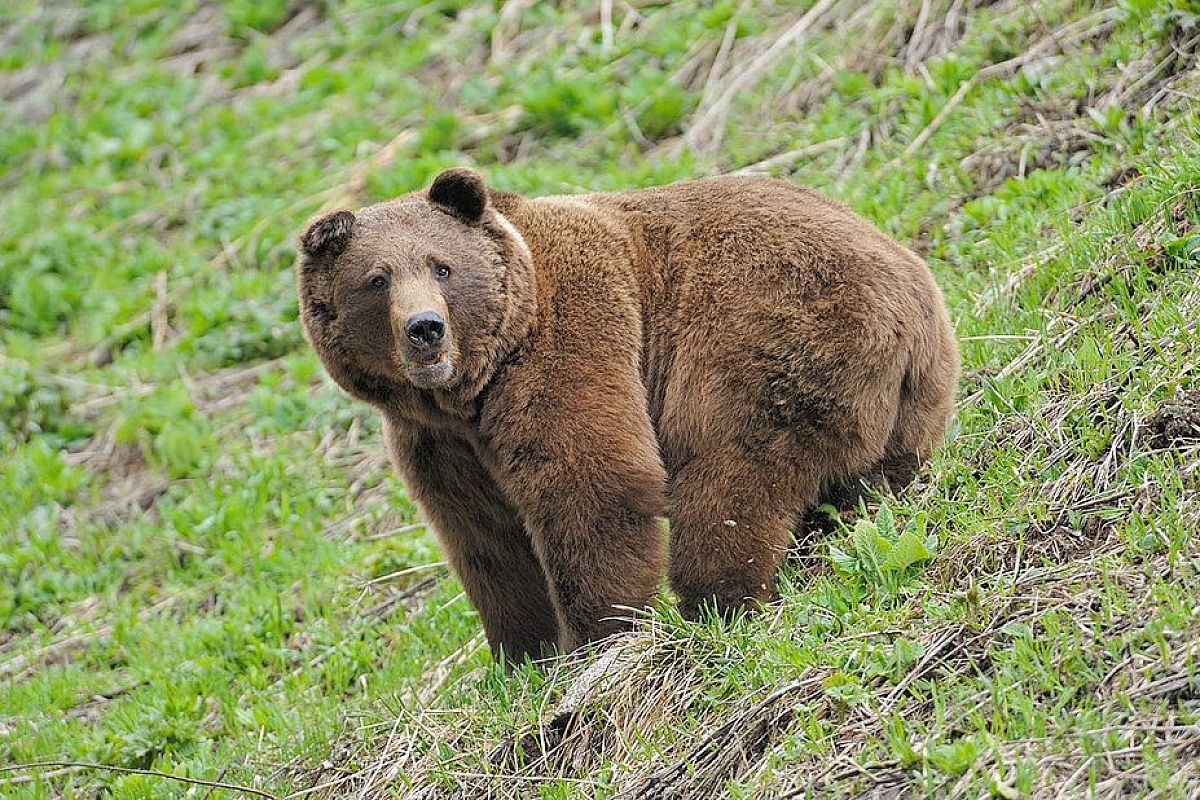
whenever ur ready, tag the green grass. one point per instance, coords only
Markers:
(206, 568)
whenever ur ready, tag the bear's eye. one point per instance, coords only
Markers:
(441, 271)
(378, 282)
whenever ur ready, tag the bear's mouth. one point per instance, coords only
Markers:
(429, 359)
(430, 372)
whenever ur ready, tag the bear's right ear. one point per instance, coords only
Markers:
(461, 192)
(328, 235)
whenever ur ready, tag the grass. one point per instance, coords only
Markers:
(207, 570)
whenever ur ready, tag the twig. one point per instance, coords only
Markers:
(159, 324)
(717, 68)
(661, 782)
(232, 787)
(606, 26)
(506, 26)
(374, 537)
(1015, 279)
(407, 571)
(703, 131)
(944, 112)
(912, 57)
(792, 156)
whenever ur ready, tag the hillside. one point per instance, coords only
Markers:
(209, 574)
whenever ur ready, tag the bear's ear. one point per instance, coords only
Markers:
(461, 192)
(328, 235)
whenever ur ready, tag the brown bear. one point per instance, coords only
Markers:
(554, 373)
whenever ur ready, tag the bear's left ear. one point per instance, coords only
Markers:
(461, 192)
(328, 235)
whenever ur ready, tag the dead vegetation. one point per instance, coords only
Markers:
(653, 675)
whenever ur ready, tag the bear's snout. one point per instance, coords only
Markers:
(425, 330)
(427, 355)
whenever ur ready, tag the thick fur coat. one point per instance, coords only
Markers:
(554, 373)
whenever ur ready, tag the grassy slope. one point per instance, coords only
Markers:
(206, 568)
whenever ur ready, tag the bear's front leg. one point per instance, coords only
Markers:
(483, 539)
(587, 479)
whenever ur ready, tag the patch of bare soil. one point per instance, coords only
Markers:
(1177, 421)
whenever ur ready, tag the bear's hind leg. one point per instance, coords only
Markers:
(731, 519)
(921, 421)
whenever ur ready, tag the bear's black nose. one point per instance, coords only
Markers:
(425, 329)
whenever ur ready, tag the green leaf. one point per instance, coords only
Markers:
(886, 521)
(869, 546)
(954, 759)
(1017, 630)
(846, 688)
(843, 561)
(1182, 246)
(908, 550)
(905, 653)
(828, 510)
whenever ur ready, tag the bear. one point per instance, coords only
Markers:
(555, 374)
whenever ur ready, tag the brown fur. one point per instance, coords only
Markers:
(723, 352)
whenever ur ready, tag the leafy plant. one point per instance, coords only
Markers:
(881, 555)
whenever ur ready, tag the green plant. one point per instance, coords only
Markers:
(881, 555)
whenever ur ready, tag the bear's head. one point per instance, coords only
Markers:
(429, 289)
